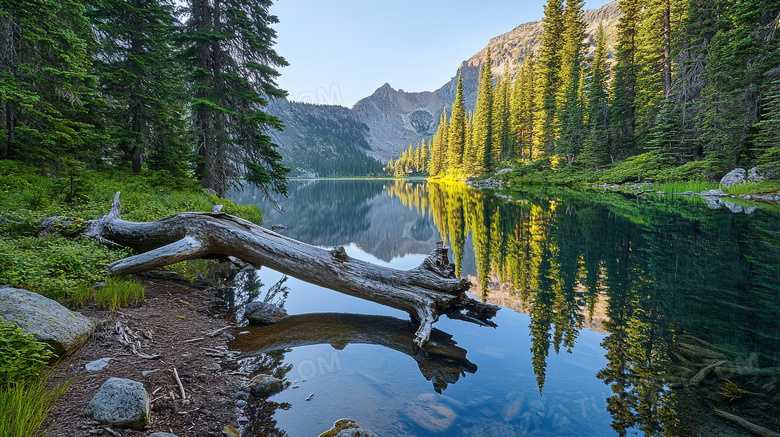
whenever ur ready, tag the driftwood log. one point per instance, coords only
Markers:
(424, 292)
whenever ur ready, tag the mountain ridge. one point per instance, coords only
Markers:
(394, 119)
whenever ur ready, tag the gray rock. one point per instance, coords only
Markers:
(734, 207)
(162, 434)
(94, 366)
(347, 428)
(429, 412)
(120, 402)
(264, 313)
(755, 175)
(716, 192)
(765, 197)
(241, 403)
(736, 176)
(44, 319)
(713, 202)
(265, 385)
(503, 171)
(210, 191)
(686, 193)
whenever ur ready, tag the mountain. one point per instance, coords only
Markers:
(384, 124)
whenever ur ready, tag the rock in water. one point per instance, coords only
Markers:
(347, 428)
(736, 176)
(429, 413)
(265, 385)
(120, 402)
(44, 319)
(716, 192)
(263, 313)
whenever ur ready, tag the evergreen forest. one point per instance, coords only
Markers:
(175, 88)
(691, 90)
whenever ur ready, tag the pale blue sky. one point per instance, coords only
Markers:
(342, 50)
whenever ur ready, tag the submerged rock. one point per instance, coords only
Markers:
(44, 319)
(428, 412)
(120, 402)
(347, 428)
(265, 385)
(736, 176)
(263, 313)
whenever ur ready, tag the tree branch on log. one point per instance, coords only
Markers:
(425, 292)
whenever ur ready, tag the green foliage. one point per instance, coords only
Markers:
(22, 357)
(24, 405)
(54, 267)
(119, 292)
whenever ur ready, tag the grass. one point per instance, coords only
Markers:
(767, 187)
(24, 405)
(681, 187)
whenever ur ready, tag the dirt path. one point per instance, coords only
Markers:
(173, 312)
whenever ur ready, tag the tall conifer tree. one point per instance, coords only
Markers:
(597, 149)
(232, 69)
(624, 85)
(457, 143)
(570, 112)
(483, 119)
(548, 76)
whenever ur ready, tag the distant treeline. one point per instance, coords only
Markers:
(693, 88)
(126, 84)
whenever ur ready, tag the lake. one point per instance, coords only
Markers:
(622, 315)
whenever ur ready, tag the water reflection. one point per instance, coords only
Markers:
(640, 316)
(442, 364)
(660, 272)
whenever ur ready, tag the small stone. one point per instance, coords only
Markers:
(187, 356)
(94, 366)
(429, 413)
(265, 385)
(149, 372)
(240, 403)
(239, 395)
(120, 402)
(243, 419)
(185, 401)
(264, 313)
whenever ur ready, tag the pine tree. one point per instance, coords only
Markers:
(548, 76)
(483, 119)
(231, 59)
(768, 137)
(570, 112)
(597, 148)
(139, 74)
(523, 108)
(624, 85)
(501, 119)
(457, 134)
(439, 148)
(46, 85)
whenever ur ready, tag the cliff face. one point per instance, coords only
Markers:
(385, 123)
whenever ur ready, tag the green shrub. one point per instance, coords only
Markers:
(21, 356)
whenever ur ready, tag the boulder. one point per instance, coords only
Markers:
(120, 402)
(263, 313)
(736, 176)
(265, 385)
(755, 175)
(45, 319)
(347, 428)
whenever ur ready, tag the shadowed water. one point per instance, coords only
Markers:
(612, 305)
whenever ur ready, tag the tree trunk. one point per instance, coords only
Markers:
(424, 292)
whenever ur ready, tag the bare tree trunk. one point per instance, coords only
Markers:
(424, 292)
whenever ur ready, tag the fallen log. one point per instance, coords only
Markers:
(425, 292)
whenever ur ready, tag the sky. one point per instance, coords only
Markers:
(343, 50)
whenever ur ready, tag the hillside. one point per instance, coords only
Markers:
(385, 123)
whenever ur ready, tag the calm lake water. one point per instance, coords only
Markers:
(611, 305)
